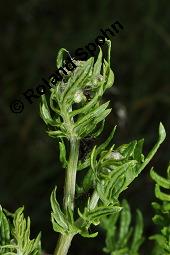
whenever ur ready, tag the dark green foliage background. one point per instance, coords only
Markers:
(31, 34)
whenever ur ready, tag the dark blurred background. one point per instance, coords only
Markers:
(32, 32)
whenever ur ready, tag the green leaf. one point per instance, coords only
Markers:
(162, 133)
(60, 57)
(20, 242)
(108, 75)
(161, 240)
(63, 153)
(4, 229)
(98, 64)
(103, 146)
(125, 220)
(161, 217)
(45, 113)
(57, 216)
(57, 134)
(134, 171)
(62, 223)
(161, 195)
(119, 231)
(127, 150)
(138, 151)
(162, 136)
(110, 189)
(138, 232)
(79, 119)
(86, 234)
(93, 216)
(87, 124)
(163, 182)
(77, 81)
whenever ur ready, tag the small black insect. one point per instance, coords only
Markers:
(86, 145)
(88, 94)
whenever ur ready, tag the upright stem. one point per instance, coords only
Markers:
(70, 181)
(63, 244)
(64, 241)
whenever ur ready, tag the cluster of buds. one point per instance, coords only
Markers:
(75, 108)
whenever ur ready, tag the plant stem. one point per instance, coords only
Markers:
(70, 181)
(64, 241)
(63, 244)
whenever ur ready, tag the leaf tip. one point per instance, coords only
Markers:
(162, 132)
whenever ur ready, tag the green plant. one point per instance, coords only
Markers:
(15, 235)
(162, 217)
(74, 111)
(119, 241)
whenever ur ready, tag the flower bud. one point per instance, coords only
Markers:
(116, 155)
(79, 97)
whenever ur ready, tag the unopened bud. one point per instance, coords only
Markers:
(79, 96)
(116, 155)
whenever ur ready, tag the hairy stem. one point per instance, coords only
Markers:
(63, 244)
(70, 181)
(64, 241)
